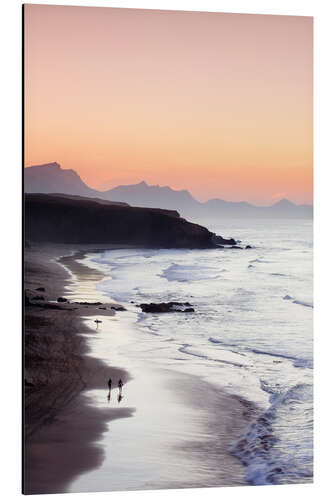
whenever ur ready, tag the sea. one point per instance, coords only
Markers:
(251, 333)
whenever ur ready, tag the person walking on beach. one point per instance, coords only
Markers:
(109, 385)
(120, 385)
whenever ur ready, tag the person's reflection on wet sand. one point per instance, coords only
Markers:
(120, 397)
(109, 396)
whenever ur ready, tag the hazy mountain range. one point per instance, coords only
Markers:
(51, 178)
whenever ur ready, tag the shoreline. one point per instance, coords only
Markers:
(80, 426)
(57, 369)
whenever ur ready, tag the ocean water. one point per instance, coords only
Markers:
(251, 332)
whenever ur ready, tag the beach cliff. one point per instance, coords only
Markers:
(77, 220)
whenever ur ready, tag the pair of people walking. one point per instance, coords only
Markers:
(120, 387)
(120, 384)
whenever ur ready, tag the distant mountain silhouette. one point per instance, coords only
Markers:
(142, 195)
(51, 178)
(282, 209)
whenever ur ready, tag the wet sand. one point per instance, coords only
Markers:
(78, 441)
(181, 422)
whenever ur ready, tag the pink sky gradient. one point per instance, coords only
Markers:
(219, 104)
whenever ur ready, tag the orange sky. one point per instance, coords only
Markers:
(219, 104)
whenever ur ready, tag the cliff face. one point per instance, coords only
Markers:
(57, 219)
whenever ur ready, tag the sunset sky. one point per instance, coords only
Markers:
(219, 104)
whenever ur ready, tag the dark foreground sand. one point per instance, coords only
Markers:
(61, 429)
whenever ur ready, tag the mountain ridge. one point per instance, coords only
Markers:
(52, 178)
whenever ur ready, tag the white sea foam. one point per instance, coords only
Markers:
(260, 447)
(183, 273)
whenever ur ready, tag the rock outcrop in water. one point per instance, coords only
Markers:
(166, 307)
(219, 240)
(61, 219)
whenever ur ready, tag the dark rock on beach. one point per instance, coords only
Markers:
(47, 305)
(38, 297)
(61, 299)
(165, 307)
(40, 289)
(53, 306)
(89, 303)
(118, 308)
(247, 247)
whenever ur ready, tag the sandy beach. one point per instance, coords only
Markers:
(77, 440)
(57, 370)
